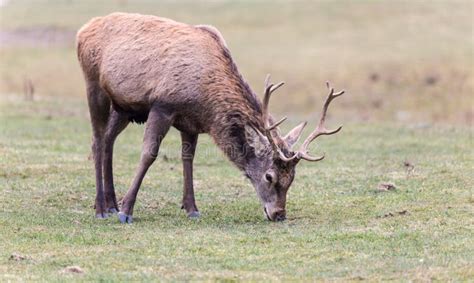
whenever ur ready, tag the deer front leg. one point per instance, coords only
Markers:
(189, 142)
(157, 125)
(116, 124)
(99, 107)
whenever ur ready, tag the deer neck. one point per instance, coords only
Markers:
(228, 130)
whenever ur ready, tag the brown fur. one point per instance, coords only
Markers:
(149, 69)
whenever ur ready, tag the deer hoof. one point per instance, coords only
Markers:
(194, 215)
(102, 215)
(124, 218)
(113, 210)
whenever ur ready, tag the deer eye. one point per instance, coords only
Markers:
(270, 177)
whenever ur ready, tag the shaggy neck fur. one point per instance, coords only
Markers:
(242, 107)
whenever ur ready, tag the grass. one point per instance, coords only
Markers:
(407, 66)
(339, 227)
(401, 60)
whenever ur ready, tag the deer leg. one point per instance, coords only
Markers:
(189, 142)
(157, 125)
(116, 124)
(99, 108)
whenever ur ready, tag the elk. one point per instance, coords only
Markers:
(152, 70)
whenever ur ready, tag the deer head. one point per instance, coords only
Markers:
(273, 169)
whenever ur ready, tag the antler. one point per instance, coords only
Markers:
(269, 89)
(320, 129)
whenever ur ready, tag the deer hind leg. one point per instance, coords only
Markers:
(116, 124)
(189, 142)
(157, 125)
(99, 108)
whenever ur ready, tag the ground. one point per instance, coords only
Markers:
(340, 225)
(392, 200)
(404, 61)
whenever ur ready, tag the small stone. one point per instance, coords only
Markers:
(403, 212)
(392, 214)
(384, 187)
(17, 257)
(73, 269)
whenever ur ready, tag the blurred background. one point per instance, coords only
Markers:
(406, 62)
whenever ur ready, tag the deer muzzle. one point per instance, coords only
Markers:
(274, 214)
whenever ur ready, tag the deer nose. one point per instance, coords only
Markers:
(279, 215)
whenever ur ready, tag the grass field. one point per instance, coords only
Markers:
(407, 115)
(339, 226)
(405, 61)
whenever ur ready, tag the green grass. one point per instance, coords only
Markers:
(407, 69)
(336, 227)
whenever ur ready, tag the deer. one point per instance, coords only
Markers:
(152, 70)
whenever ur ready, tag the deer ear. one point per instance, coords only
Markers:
(294, 135)
(256, 140)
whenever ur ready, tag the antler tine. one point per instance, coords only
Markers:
(269, 89)
(320, 128)
(307, 157)
(267, 81)
(272, 127)
(266, 98)
(331, 91)
(284, 158)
